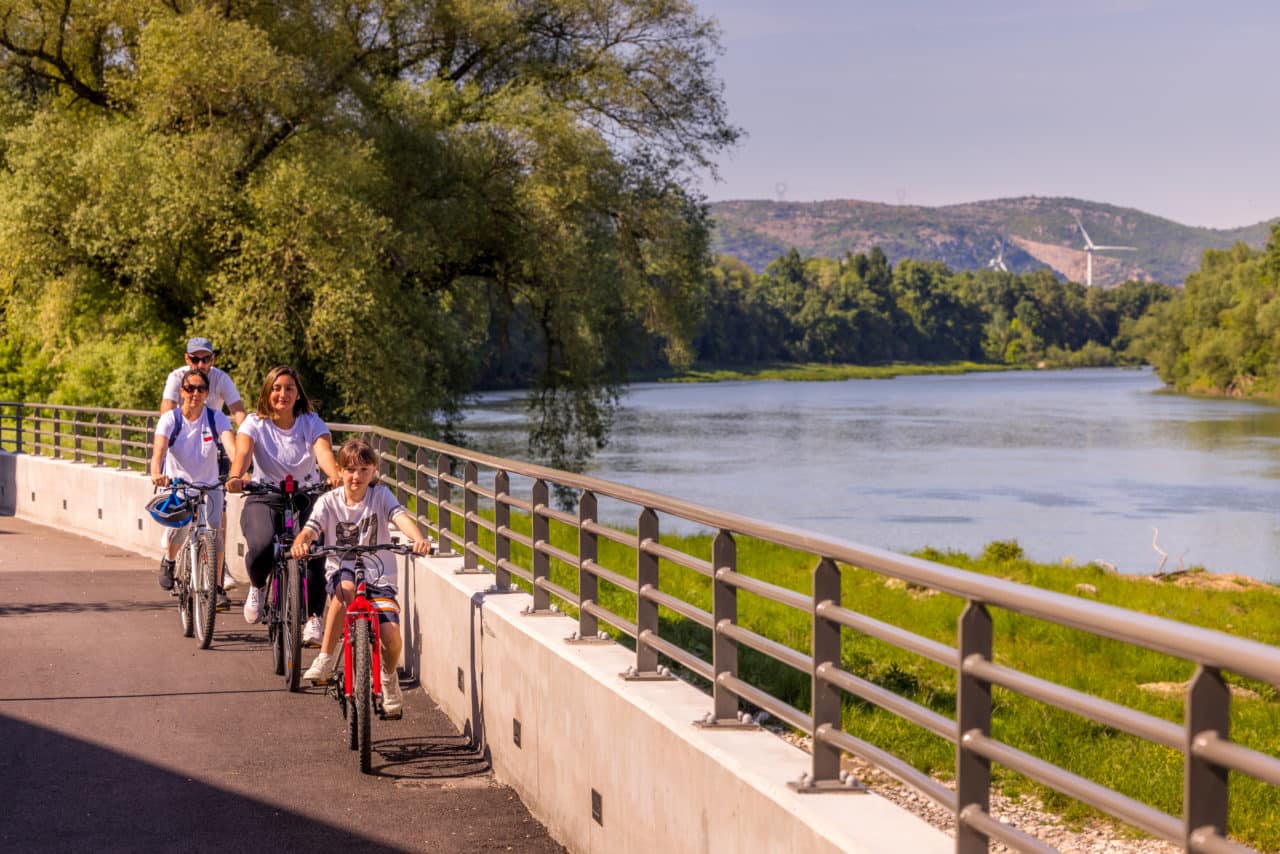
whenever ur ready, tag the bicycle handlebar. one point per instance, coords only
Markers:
(346, 551)
(262, 487)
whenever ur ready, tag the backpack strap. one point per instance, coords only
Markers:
(177, 426)
(213, 431)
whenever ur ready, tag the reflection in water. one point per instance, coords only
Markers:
(1079, 464)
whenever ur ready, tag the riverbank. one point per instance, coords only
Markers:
(823, 372)
(1138, 679)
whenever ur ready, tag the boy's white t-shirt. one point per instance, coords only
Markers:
(278, 453)
(193, 455)
(222, 390)
(363, 524)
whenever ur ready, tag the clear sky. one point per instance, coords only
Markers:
(1167, 106)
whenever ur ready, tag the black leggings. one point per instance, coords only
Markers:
(261, 518)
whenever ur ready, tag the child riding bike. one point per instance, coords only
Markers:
(358, 514)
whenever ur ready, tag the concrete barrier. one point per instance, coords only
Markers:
(607, 765)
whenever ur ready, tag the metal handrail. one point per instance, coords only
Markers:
(428, 471)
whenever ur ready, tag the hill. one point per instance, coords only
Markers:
(1036, 232)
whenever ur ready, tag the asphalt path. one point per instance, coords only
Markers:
(119, 734)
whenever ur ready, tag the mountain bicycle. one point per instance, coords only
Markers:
(358, 689)
(195, 578)
(284, 605)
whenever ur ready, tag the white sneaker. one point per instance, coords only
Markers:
(253, 605)
(321, 670)
(312, 632)
(392, 699)
(228, 580)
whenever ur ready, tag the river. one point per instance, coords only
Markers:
(1080, 465)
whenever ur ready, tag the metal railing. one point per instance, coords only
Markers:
(466, 500)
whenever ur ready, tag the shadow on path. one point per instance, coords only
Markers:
(100, 800)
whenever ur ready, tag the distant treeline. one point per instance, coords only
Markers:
(860, 309)
(1221, 334)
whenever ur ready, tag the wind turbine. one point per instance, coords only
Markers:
(1090, 247)
(997, 263)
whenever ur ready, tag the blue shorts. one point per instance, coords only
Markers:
(382, 598)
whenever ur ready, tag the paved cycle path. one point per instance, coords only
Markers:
(119, 734)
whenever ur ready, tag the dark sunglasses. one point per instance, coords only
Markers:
(201, 360)
(196, 389)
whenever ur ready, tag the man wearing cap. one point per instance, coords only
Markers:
(221, 391)
(221, 388)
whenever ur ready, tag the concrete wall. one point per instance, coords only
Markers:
(664, 785)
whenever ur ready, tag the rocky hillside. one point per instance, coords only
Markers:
(1034, 233)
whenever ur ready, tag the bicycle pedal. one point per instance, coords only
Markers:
(391, 716)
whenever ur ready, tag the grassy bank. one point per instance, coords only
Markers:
(1103, 668)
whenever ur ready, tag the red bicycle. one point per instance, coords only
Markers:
(359, 685)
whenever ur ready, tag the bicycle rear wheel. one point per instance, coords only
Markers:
(205, 588)
(182, 584)
(292, 624)
(363, 676)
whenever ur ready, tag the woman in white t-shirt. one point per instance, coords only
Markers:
(186, 448)
(282, 437)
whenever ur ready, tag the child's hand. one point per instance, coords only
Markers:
(422, 546)
(301, 548)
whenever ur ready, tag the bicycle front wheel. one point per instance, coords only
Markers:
(206, 588)
(362, 675)
(182, 584)
(275, 628)
(292, 624)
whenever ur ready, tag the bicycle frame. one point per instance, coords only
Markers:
(362, 609)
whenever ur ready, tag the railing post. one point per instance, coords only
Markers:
(402, 486)
(443, 517)
(973, 714)
(18, 440)
(724, 650)
(826, 654)
(501, 519)
(57, 433)
(1204, 783)
(97, 432)
(123, 458)
(588, 584)
(541, 527)
(422, 513)
(75, 432)
(646, 610)
(470, 527)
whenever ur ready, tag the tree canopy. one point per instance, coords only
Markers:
(399, 197)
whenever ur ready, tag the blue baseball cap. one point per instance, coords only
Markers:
(199, 345)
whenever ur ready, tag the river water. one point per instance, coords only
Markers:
(1072, 464)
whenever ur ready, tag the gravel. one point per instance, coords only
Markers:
(1028, 814)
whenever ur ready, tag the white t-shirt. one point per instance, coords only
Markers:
(364, 524)
(221, 389)
(193, 455)
(277, 453)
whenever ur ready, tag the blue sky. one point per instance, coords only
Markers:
(1162, 105)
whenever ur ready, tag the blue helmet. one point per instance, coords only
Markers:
(171, 509)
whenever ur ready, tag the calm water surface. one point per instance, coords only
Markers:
(1072, 464)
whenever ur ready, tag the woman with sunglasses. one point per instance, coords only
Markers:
(185, 447)
(282, 437)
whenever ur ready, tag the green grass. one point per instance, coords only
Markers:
(1100, 667)
(822, 372)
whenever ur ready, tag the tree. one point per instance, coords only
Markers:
(398, 197)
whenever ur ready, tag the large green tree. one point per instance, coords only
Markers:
(399, 197)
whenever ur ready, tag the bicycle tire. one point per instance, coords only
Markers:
(275, 631)
(348, 710)
(182, 583)
(206, 588)
(363, 677)
(292, 625)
